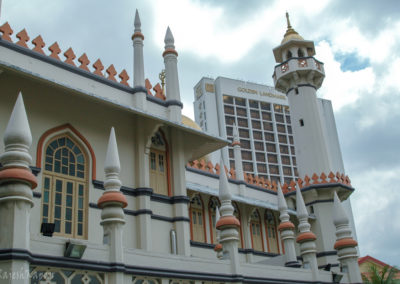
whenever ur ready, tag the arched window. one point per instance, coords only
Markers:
(196, 212)
(237, 215)
(158, 164)
(255, 231)
(272, 232)
(65, 183)
(288, 54)
(300, 53)
(212, 205)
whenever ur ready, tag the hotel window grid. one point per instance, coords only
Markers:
(268, 125)
(65, 183)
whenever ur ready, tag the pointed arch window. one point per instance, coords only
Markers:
(236, 212)
(212, 205)
(271, 232)
(197, 220)
(158, 164)
(256, 232)
(65, 183)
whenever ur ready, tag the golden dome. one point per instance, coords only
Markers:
(290, 32)
(189, 122)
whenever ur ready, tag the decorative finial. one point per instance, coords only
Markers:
(301, 207)
(235, 133)
(169, 39)
(224, 193)
(339, 215)
(112, 165)
(17, 138)
(137, 22)
(282, 205)
(289, 26)
(161, 76)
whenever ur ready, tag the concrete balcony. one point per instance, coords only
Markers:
(300, 70)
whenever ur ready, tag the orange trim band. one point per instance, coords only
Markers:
(18, 174)
(170, 50)
(77, 133)
(346, 242)
(112, 196)
(308, 236)
(227, 221)
(285, 226)
(234, 143)
(138, 34)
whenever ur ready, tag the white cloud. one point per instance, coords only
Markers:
(342, 87)
(202, 29)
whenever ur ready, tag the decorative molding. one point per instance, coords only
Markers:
(326, 253)
(82, 139)
(139, 89)
(319, 201)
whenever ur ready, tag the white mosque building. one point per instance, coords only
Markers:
(101, 182)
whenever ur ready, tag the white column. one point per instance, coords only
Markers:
(112, 203)
(16, 184)
(345, 244)
(171, 76)
(140, 91)
(228, 224)
(306, 238)
(286, 229)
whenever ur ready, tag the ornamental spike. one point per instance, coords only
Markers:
(301, 207)
(235, 133)
(224, 193)
(282, 205)
(112, 165)
(339, 215)
(17, 138)
(169, 39)
(137, 22)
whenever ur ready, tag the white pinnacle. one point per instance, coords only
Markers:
(169, 39)
(235, 133)
(17, 137)
(112, 165)
(301, 207)
(339, 215)
(217, 216)
(224, 193)
(137, 22)
(281, 199)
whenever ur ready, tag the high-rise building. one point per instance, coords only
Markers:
(263, 118)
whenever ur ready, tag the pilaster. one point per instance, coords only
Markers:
(140, 91)
(16, 184)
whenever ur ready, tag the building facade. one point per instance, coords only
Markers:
(100, 182)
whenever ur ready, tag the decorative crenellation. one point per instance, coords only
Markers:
(158, 91)
(250, 179)
(39, 44)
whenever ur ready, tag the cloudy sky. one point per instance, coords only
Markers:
(358, 40)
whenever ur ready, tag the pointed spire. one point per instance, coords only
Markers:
(301, 207)
(290, 32)
(224, 193)
(112, 165)
(235, 133)
(339, 215)
(137, 22)
(17, 138)
(289, 26)
(282, 206)
(169, 39)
